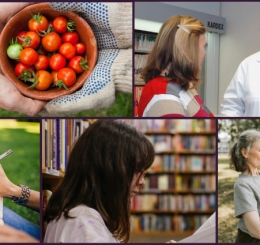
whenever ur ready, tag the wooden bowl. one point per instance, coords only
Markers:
(19, 22)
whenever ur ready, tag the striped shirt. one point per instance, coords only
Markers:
(161, 98)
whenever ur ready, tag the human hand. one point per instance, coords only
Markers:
(112, 26)
(9, 234)
(5, 184)
(10, 97)
(171, 241)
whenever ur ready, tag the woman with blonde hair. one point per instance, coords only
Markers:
(172, 71)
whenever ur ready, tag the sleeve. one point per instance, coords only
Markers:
(163, 105)
(244, 199)
(233, 103)
(86, 229)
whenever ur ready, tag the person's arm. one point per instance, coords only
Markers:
(8, 190)
(252, 222)
(233, 103)
(9, 234)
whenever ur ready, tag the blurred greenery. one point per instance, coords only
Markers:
(235, 127)
(23, 165)
(121, 108)
(227, 222)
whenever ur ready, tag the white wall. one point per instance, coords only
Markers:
(204, 7)
(242, 38)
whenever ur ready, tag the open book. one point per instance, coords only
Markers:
(205, 234)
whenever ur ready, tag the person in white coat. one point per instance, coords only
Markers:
(242, 97)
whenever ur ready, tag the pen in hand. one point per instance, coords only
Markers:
(6, 154)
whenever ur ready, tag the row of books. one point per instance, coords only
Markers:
(153, 222)
(183, 203)
(144, 41)
(58, 137)
(175, 125)
(170, 162)
(137, 95)
(140, 62)
(196, 182)
(162, 182)
(196, 143)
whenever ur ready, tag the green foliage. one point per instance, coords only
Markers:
(235, 127)
(22, 166)
(227, 223)
(121, 108)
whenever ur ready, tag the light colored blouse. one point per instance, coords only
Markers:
(87, 227)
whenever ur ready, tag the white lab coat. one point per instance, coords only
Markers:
(242, 97)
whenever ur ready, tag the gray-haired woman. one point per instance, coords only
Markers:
(245, 158)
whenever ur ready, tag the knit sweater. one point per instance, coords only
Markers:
(161, 98)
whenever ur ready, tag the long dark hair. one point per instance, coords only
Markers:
(99, 174)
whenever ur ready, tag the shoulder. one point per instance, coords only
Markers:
(252, 59)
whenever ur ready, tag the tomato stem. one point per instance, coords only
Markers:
(60, 84)
(71, 26)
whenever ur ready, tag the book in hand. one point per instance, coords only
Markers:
(205, 234)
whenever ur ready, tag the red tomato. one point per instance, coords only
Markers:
(28, 56)
(78, 64)
(51, 42)
(67, 50)
(38, 23)
(43, 80)
(60, 24)
(80, 48)
(70, 37)
(57, 62)
(67, 77)
(20, 68)
(21, 36)
(54, 76)
(31, 40)
(42, 63)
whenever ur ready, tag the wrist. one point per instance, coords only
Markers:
(14, 190)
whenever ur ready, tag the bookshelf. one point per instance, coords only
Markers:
(144, 42)
(58, 138)
(180, 186)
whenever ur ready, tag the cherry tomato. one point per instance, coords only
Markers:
(21, 36)
(54, 76)
(67, 77)
(42, 63)
(80, 48)
(38, 23)
(43, 80)
(70, 37)
(57, 62)
(20, 68)
(60, 24)
(78, 64)
(31, 40)
(28, 56)
(67, 50)
(51, 42)
(14, 50)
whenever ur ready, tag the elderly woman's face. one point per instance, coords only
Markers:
(202, 49)
(253, 156)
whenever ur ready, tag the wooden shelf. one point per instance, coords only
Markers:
(162, 233)
(183, 172)
(196, 211)
(187, 152)
(174, 191)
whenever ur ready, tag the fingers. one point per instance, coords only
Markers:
(11, 99)
(171, 241)
(9, 234)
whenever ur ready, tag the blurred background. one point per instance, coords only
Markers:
(228, 133)
(22, 166)
(122, 107)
